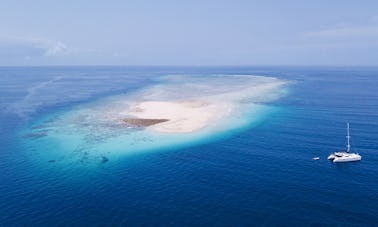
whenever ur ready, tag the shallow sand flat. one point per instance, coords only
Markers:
(174, 111)
(182, 116)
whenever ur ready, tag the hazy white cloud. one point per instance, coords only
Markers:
(55, 48)
(32, 47)
(28, 48)
(368, 30)
(345, 32)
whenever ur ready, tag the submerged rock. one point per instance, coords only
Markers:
(104, 159)
(35, 135)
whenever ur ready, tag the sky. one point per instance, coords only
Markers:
(164, 32)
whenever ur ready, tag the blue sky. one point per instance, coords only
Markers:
(189, 32)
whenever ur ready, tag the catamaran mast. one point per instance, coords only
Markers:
(348, 138)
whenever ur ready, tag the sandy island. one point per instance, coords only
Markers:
(199, 103)
(175, 117)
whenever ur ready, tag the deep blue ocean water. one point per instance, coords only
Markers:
(263, 175)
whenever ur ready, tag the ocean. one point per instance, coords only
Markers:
(259, 174)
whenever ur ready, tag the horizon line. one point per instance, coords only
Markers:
(182, 66)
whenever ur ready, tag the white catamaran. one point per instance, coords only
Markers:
(345, 156)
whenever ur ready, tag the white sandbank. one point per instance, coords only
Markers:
(183, 116)
(191, 104)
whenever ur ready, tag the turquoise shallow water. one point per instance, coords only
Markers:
(261, 173)
(95, 131)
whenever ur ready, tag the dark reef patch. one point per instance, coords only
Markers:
(142, 122)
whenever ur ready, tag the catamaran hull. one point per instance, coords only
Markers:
(336, 154)
(347, 159)
(331, 157)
